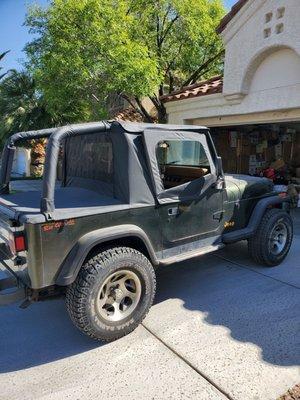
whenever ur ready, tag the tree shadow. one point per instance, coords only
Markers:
(253, 307)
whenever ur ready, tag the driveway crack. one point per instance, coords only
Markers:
(202, 374)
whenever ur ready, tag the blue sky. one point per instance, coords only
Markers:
(14, 36)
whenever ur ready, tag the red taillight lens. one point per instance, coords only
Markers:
(282, 194)
(20, 243)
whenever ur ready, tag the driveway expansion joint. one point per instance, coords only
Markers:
(182, 358)
(257, 272)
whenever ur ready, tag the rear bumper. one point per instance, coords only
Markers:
(13, 285)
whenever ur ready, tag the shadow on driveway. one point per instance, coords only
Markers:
(38, 335)
(255, 308)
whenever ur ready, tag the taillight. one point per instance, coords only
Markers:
(20, 244)
(282, 194)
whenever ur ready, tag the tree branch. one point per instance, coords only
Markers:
(195, 75)
(134, 105)
(161, 110)
(168, 29)
(166, 15)
(158, 44)
(143, 110)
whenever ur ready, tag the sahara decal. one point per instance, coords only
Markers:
(57, 225)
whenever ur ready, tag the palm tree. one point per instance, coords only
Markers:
(22, 106)
(2, 55)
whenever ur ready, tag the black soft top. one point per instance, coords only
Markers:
(133, 183)
(134, 127)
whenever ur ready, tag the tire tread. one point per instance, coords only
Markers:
(78, 291)
(257, 244)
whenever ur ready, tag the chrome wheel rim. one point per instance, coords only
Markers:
(119, 295)
(278, 238)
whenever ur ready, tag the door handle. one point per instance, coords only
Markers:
(173, 211)
(218, 215)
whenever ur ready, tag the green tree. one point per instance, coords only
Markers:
(22, 106)
(86, 49)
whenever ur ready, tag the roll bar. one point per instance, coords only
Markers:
(52, 153)
(9, 151)
(56, 136)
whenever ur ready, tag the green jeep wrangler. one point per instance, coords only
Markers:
(130, 197)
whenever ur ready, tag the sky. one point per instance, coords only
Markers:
(14, 36)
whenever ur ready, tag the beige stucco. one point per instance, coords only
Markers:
(262, 69)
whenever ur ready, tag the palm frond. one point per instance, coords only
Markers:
(2, 55)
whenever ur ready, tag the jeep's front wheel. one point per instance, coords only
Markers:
(273, 238)
(112, 293)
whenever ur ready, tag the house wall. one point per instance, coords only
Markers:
(249, 39)
(21, 162)
(280, 69)
(262, 69)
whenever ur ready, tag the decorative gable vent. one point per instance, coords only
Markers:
(267, 32)
(268, 17)
(280, 12)
(279, 27)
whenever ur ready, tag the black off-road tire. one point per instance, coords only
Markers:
(81, 296)
(259, 244)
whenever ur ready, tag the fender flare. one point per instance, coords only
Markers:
(255, 219)
(72, 263)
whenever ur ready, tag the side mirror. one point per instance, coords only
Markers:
(219, 167)
(220, 182)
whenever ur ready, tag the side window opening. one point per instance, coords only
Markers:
(181, 161)
(90, 157)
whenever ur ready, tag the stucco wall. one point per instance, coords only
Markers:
(262, 65)
(245, 42)
(279, 69)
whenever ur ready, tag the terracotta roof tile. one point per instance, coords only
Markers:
(210, 86)
(228, 17)
(128, 114)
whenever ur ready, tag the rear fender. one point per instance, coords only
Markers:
(74, 260)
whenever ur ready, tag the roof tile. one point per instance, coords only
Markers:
(228, 17)
(210, 86)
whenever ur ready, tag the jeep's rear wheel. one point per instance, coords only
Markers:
(112, 293)
(273, 238)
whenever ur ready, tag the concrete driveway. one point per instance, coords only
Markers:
(221, 328)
